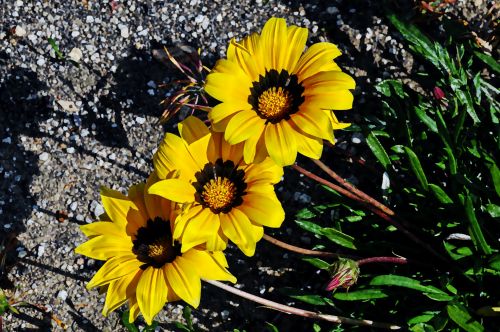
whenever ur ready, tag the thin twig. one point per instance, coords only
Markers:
(301, 312)
(392, 260)
(353, 189)
(298, 250)
(372, 208)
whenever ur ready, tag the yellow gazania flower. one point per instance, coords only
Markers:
(275, 99)
(144, 264)
(222, 197)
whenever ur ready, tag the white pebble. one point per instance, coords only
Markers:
(40, 61)
(62, 294)
(7, 140)
(41, 250)
(124, 32)
(75, 54)
(44, 156)
(140, 120)
(386, 182)
(73, 206)
(70, 150)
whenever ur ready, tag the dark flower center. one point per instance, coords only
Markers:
(153, 244)
(276, 95)
(220, 186)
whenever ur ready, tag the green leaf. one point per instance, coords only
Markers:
(305, 213)
(423, 318)
(422, 327)
(319, 263)
(361, 295)
(441, 297)
(422, 115)
(129, 326)
(186, 313)
(309, 226)
(495, 175)
(338, 237)
(310, 298)
(490, 61)
(440, 194)
(271, 328)
(378, 150)
(316, 327)
(56, 49)
(459, 314)
(150, 328)
(494, 262)
(181, 327)
(474, 228)
(493, 210)
(401, 281)
(417, 168)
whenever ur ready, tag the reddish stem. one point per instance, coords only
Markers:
(392, 260)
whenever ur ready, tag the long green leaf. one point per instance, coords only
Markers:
(361, 295)
(474, 228)
(378, 150)
(309, 226)
(319, 263)
(401, 281)
(417, 168)
(440, 194)
(495, 175)
(129, 326)
(339, 237)
(490, 61)
(459, 314)
(422, 115)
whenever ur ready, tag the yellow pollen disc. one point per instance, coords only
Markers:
(158, 251)
(219, 193)
(274, 103)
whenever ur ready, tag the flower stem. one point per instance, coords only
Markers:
(301, 312)
(298, 250)
(372, 208)
(393, 260)
(353, 189)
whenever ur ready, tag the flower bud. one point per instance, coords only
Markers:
(344, 273)
(438, 93)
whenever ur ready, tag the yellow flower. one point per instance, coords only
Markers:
(222, 197)
(275, 99)
(144, 265)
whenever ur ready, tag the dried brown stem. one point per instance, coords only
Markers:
(298, 250)
(301, 312)
(392, 260)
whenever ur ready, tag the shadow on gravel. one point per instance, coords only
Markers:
(131, 89)
(22, 106)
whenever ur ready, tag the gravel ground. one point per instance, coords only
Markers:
(67, 129)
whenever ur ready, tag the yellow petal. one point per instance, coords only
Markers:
(198, 151)
(237, 227)
(228, 82)
(115, 268)
(220, 148)
(296, 42)
(265, 172)
(103, 247)
(120, 290)
(243, 53)
(182, 220)
(220, 258)
(280, 143)
(172, 155)
(272, 42)
(308, 145)
(199, 229)
(116, 206)
(313, 122)
(133, 309)
(262, 209)
(217, 241)
(101, 228)
(174, 189)
(192, 129)
(327, 81)
(336, 124)
(255, 149)
(221, 111)
(207, 266)
(243, 125)
(332, 100)
(184, 280)
(155, 205)
(151, 293)
(319, 57)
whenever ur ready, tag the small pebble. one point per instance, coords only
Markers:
(44, 156)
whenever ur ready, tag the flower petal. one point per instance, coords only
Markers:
(119, 291)
(331, 100)
(151, 293)
(156, 206)
(265, 173)
(184, 280)
(324, 82)
(133, 309)
(174, 189)
(223, 110)
(312, 121)
(228, 82)
(103, 247)
(237, 227)
(192, 129)
(200, 229)
(208, 267)
(243, 125)
(272, 41)
(308, 145)
(116, 206)
(319, 57)
(280, 143)
(173, 155)
(263, 210)
(115, 268)
(255, 148)
(296, 42)
(101, 228)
